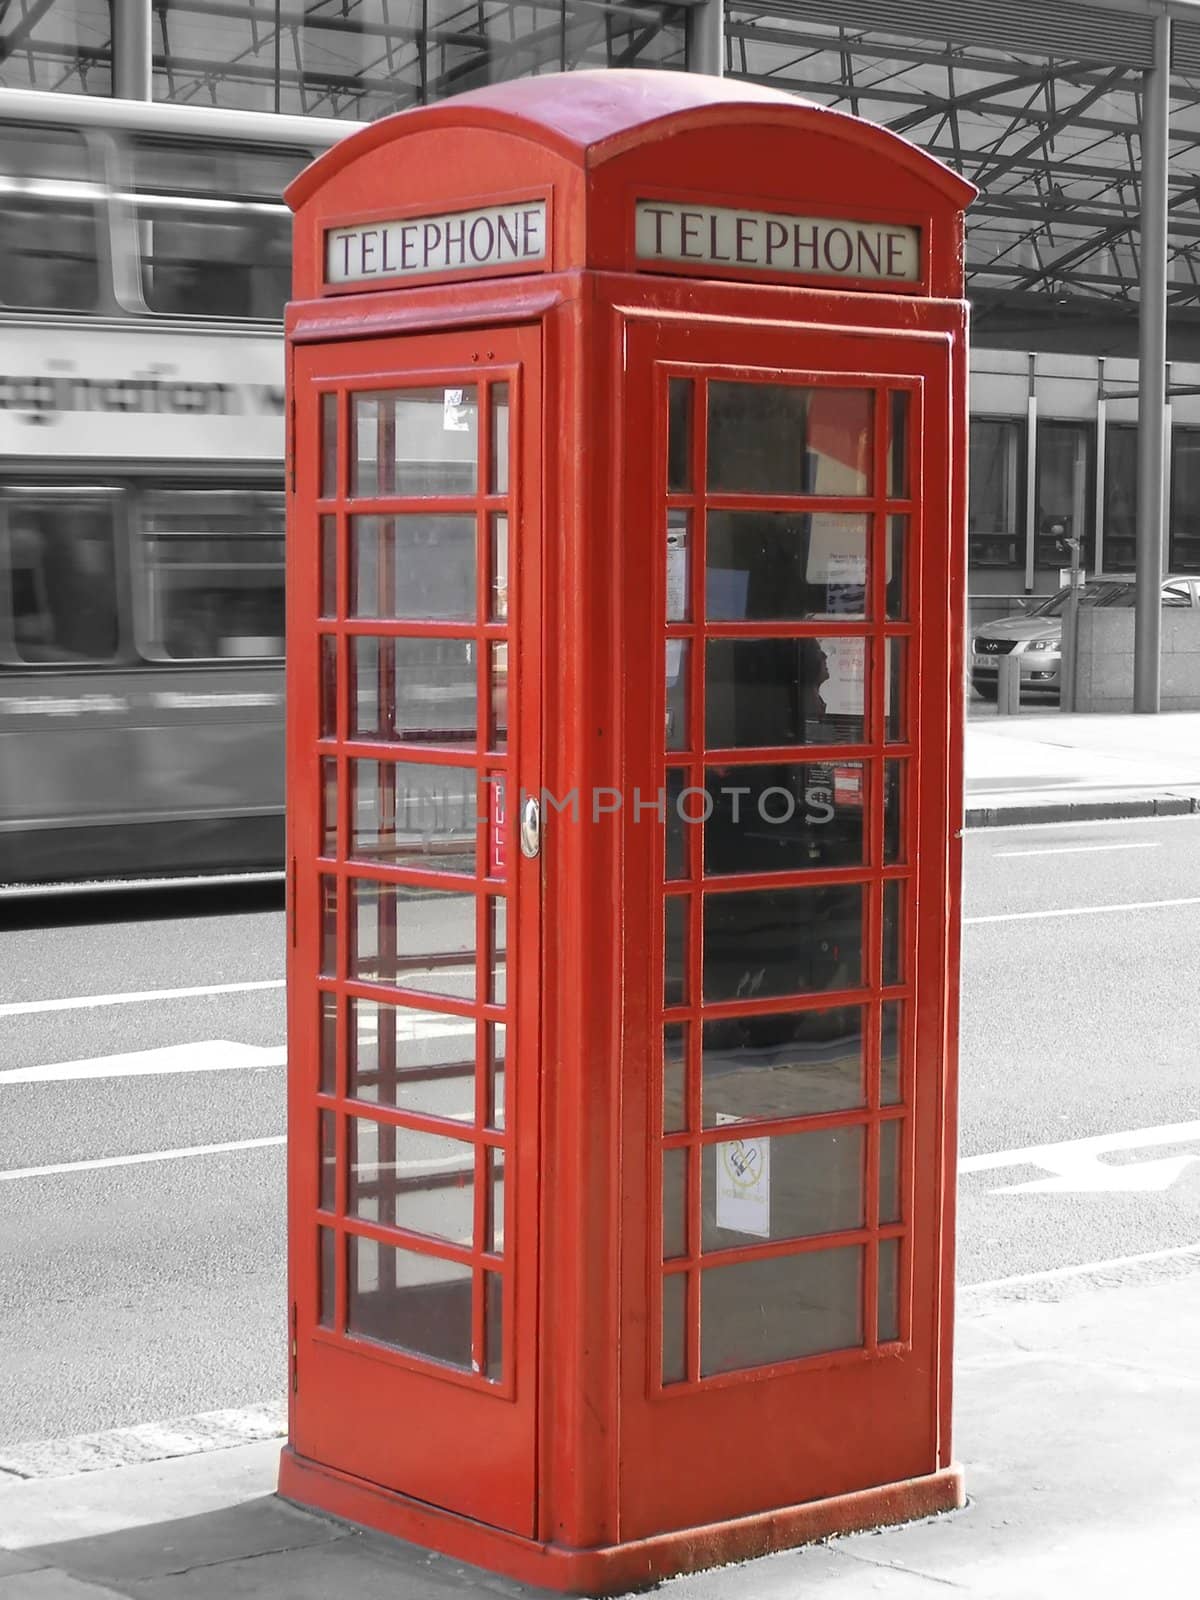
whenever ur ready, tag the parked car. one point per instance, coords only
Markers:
(1036, 636)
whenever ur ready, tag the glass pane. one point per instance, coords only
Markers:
(787, 1064)
(415, 442)
(413, 814)
(895, 691)
(420, 1061)
(679, 607)
(785, 566)
(758, 1312)
(889, 1172)
(419, 1181)
(328, 686)
(415, 691)
(1065, 480)
(419, 568)
(679, 433)
(897, 570)
(497, 1044)
(678, 653)
(674, 1328)
(764, 942)
(787, 1187)
(327, 1036)
(889, 1054)
(675, 955)
(777, 818)
(201, 258)
(417, 1303)
(674, 1203)
(329, 443)
(766, 438)
(326, 1291)
(889, 1290)
(49, 258)
(996, 488)
(329, 806)
(499, 592)
(63, 577)
(328, 927)
(898, 445)
(212, 574)
(677, 836)
(495, 1205)
(893, 932)
(769, 692)
(675, 1109)
(415, 938)
(498, 681)
(329, 567)
(498, 469)
(893, 812)
(327, 1167)
(497, 949)
(493, 1328)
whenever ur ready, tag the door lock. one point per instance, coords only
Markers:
(531, 828)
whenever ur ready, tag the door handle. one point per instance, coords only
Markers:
(531, 829)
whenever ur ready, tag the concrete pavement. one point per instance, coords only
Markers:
(1078, 1407)
(1078, 1392)
(1047, 766)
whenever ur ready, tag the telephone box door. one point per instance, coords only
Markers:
(791, 1254)
(413, 1083)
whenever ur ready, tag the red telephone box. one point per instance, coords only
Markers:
(626, 578)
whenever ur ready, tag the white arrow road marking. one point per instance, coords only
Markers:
(1077, 1168)
(202, 1055)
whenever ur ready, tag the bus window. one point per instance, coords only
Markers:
(214, 235)
(61, 577)
(211, 574)
(48, 250)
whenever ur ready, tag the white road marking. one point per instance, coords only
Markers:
(202, 1055)
(202, 880)
(1084, 1269)
(1084, 911)
(84, 1002)
(140, 1159)
(1081, 849)
(1077, 1169)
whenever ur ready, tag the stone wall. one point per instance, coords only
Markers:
(1105, 671)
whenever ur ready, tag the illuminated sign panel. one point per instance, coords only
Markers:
(479, 241)
(735, 240)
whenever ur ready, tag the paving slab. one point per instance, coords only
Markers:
(1072, 767)
(1078, 1408)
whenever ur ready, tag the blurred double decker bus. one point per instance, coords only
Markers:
(145, 260)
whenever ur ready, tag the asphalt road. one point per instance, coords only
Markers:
(153, 1290)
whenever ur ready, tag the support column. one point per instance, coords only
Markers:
(133, 73)
(706, 37)
(1152, 374)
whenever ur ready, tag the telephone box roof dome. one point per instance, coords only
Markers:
(590, 117)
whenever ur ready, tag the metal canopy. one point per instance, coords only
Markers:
(1038, 103)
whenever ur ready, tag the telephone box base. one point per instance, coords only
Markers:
(612, 1569)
